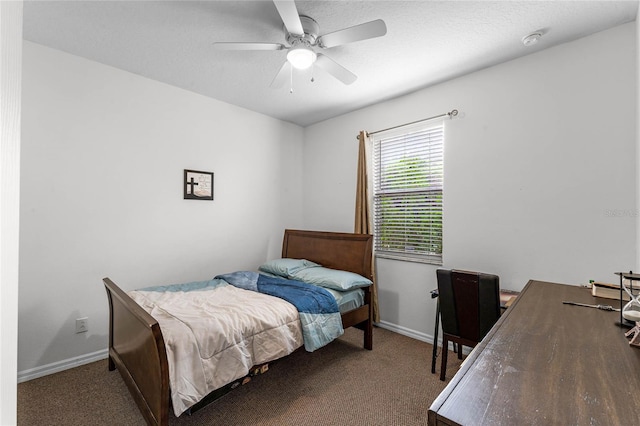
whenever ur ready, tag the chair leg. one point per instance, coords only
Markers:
(445, 350)
(459, 351)
(434, 349)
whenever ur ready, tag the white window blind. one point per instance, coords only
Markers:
(408, 177)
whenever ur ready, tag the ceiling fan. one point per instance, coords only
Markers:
(302, 37)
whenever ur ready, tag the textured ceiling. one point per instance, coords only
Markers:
(426, 42)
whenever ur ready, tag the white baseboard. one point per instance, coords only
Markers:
(56, 367)
(406, 331)
(416, 335)
(45, 370)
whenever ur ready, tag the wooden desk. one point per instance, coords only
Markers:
(547, 363)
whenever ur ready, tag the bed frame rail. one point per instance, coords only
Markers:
(136, 349)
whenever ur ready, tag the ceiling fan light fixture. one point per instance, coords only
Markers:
(301, 57)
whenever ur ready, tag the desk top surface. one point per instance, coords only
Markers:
(545, 362)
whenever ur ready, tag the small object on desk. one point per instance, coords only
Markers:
(635, 335)
(509, 302)
(601, 307)
(626, 284)
(631, 311)
(631, 314)
(607, 291)
(507, 297)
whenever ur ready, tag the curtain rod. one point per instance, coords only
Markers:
(450, 114)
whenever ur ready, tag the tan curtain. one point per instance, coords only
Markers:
(363, 222)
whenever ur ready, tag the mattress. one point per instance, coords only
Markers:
(348, 300)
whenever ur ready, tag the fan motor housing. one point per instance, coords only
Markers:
(310, 28)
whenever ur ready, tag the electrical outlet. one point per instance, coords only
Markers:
(82, 325)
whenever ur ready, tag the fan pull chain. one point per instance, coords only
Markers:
(313, 71)
(290, 79)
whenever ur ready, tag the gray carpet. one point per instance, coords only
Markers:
(340, 384)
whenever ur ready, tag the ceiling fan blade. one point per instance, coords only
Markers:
(281, 77)
(364, 31)
(289, 14)
(247, 46)
(335, 69)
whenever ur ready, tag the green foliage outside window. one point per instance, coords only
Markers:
(409, 207)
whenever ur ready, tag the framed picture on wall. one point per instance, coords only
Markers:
(198, 185)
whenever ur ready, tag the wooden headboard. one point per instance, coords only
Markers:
(336, 250)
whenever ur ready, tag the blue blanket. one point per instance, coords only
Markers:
(319, 314)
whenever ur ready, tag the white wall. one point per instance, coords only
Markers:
(637, 264)
(539, 172)
(10, 104)
(101, 186)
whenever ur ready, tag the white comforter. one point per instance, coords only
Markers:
(215, 335)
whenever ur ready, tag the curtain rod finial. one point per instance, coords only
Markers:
(365, 133)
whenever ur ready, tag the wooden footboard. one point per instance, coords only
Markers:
(136, 349)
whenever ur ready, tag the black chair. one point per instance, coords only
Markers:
(469, 304)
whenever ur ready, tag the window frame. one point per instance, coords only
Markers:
(430, 145)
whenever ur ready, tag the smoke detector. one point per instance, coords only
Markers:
(531, 39)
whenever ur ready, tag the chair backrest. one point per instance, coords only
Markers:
(469, 303)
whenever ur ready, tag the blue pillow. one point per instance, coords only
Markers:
(331, 278)
(286, 267)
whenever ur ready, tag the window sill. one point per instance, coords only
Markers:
(431, 260)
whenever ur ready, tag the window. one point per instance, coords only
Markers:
(407, 194)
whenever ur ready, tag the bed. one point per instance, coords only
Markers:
(136, 344)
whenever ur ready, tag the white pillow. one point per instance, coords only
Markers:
(286, 267)
(331, 278)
